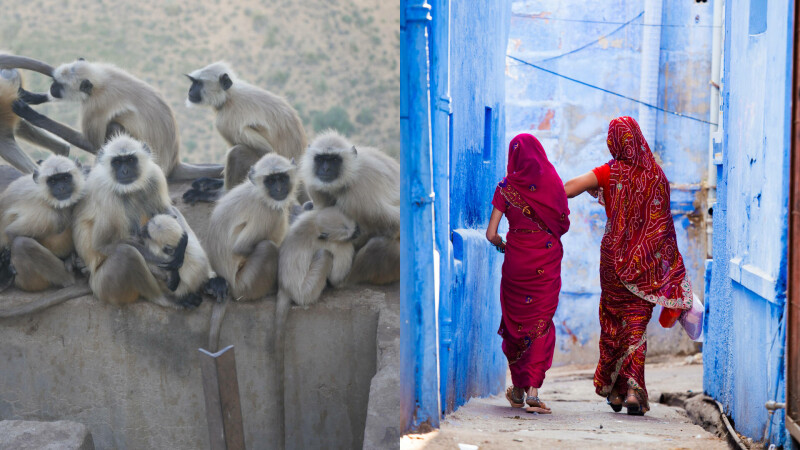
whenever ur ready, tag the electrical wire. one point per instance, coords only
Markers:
(593, 42)
(610, 92)
(531, 16)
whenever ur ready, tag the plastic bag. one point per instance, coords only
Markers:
(692, 320)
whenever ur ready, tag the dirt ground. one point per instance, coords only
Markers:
(580, 418)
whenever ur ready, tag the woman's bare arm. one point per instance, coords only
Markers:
(581, 184)
(491, 230)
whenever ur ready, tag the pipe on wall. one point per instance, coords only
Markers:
(651, 55)
(419, 350)
(439, 48)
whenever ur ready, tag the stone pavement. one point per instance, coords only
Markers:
(580, 418)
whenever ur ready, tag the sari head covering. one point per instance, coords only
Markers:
(640, 242)
(532, 175)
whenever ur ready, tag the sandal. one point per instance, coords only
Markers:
(632, 405)
(536, 405)
(516, 402)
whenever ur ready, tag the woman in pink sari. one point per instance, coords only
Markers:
(533, 200)
(640, 265)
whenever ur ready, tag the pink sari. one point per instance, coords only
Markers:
(533, 199)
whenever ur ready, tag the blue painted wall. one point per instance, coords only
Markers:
(419, 401)
(452, 148)
(745, 341)
(472, 362)
(571, 121)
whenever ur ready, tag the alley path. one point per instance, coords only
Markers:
(580, 418)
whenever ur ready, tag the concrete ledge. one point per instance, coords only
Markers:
(132, 375)
(61, 435)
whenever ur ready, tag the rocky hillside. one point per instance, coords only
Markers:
(336, 61)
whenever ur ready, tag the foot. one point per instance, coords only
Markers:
(193, 196)
(614, 400)
(632, 404)
(190, 301)
(7, 272)
(216, 287)
(533, 399)
(515, 396)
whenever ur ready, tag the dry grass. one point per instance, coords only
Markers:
(336, 61)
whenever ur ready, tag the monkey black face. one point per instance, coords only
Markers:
(57, 89)
(61, 186)
(278, 185)
(125, 168)
(327, 167)
(196, 90)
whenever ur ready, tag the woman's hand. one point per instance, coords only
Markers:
(494, 238)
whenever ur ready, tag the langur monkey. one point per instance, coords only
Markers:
(11, 126)
(114, 101)
(317, 250)
(36, 248)
(364, 184)
(166, 238)
(252, 120)
(125, 189)
(248, 225)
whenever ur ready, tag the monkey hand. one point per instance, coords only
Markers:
(22, 109)
(177, 256)
(216, 287)
(173, 280)
(31, 98)
(7, 271)
(190, 301)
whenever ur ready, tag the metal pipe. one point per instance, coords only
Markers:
(651, 55)
(419, 350)
(440, 128)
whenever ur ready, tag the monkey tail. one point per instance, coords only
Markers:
(45, 302)
(282, 307)
(23, 62)
(185, 172)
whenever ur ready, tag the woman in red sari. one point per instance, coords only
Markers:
(533, 200)
(640, 265)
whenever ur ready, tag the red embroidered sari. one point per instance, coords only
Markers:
(533, 199)
(640, 265)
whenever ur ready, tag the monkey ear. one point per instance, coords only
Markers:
(147, 149)
(251, 175)
(225, 81)
(81, 59)
(78, 164)
(86, 87)
(35, 175)
(323, 236)
(355, 152)
(293, 163)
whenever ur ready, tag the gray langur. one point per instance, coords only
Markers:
(11, 126)
(36, 246)
(317, 250)
(364, 184)
(114, 101)
(125, 189)
(252, 120)
(248, 225)
(168, 238)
